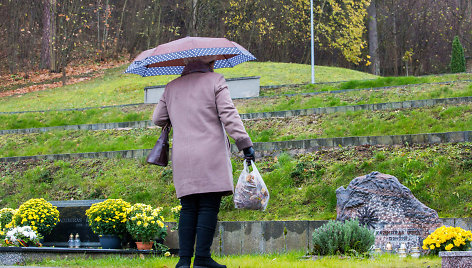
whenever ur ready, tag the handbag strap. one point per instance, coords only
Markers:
(168, 126)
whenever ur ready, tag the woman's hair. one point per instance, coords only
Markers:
(212, 65)
(204, 59)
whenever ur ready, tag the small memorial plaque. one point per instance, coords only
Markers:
(72, 221)
(382, 203)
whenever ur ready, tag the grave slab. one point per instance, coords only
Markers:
(72, 221)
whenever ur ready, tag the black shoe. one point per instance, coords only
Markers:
(184, 262)
(206, 262)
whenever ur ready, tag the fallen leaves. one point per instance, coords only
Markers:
(74, 75)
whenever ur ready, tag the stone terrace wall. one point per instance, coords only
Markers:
(290, 113)
(260, 237)
(292, 147)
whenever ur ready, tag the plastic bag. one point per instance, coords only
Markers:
(251, 191)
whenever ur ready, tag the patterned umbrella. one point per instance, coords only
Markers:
(170, 58)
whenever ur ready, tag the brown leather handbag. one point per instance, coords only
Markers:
(159, 155)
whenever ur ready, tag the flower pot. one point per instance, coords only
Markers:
(110, 241)
(144, 245)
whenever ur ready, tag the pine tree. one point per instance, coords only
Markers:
(457, 57)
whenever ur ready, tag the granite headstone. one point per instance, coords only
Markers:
(72, 221)
(382, 203)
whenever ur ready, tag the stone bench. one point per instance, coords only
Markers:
(242, 87)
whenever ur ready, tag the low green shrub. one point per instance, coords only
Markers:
(337, 237)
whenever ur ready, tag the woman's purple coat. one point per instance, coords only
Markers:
(200, 109)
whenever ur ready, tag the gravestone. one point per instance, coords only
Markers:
(382, 203)
(72, 220)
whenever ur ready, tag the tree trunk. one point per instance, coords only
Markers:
(105, 26)
(193, 30)
(13, 37)
(52, 39)
(158, 26)
(46, 39)
(99, 45)
(64, 77)
(373, 39)
(395, 46)
(118, 31)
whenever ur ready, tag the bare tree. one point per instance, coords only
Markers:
(373, 39)
(47, 37)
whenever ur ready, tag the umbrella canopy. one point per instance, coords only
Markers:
(170, 58)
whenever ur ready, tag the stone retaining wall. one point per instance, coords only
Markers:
(260, 237)
(112, 154)
(321, 110)
(291, 147)
(101, 126)
(303, 146)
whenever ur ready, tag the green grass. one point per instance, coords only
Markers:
(283, 260)
(373, 83)
(301, 188)
(362, 123)
(118, 88)
(63, 118)
(144, 112)
(358, 123)
(73, 141)
(283, 103)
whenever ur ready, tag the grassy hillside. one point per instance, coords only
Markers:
(119, 88)
(370, 83)
(359, 123)
(273, 103)
(301, 187)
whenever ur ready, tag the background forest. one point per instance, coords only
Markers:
(386, 37)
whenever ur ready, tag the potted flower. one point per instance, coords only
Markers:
(37, 213)
(6, 215)
(23, 236)
(145, 224)
(176, 213)
(108, 220)
(447, 239)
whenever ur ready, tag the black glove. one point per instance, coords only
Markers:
(249, 154)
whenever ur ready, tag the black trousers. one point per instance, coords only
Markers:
(198, 218)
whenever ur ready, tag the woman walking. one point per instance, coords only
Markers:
(199, 108)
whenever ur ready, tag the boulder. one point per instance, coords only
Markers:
(380, 202)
